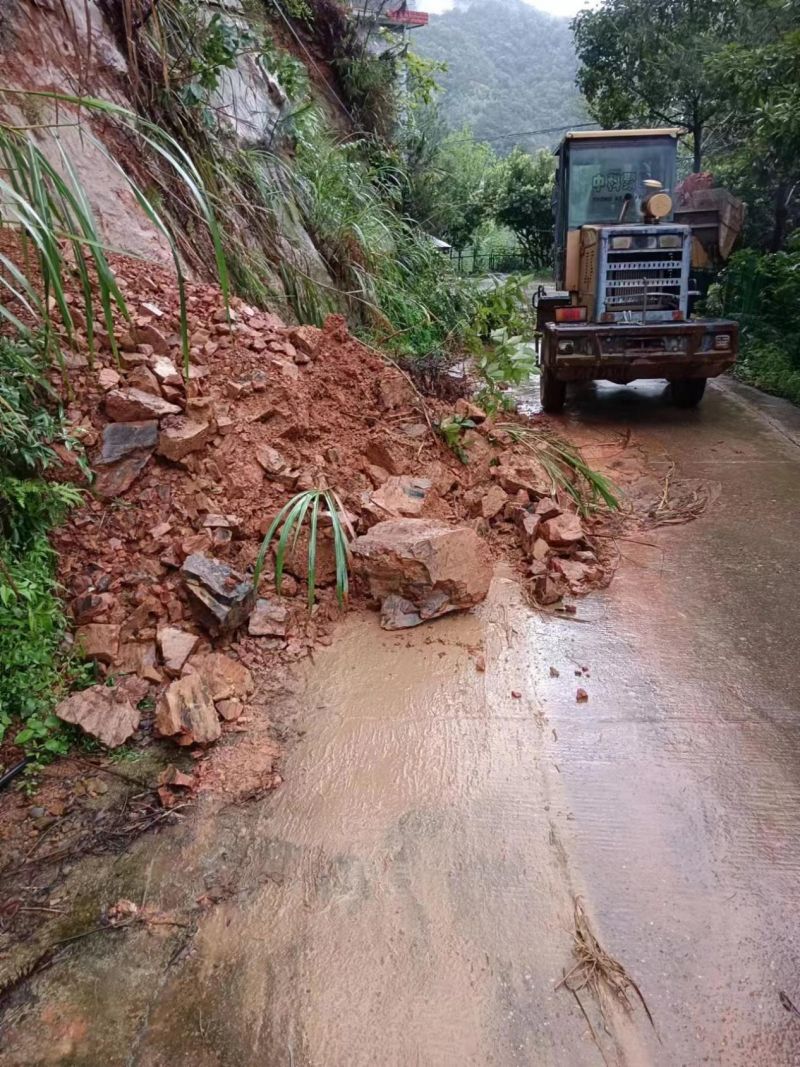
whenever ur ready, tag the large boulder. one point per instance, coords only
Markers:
(422, 568)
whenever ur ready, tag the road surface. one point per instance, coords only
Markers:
(406, 898)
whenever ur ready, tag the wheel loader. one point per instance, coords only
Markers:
(624, 260)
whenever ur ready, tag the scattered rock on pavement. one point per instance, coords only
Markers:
(468, 410)
(122, 438)
(115, 480)
(98, 640)
(225, 677)
(563, 531)
(176, 646)
(522, 472)
(181, 435)
(578, 575)
(402, 495)
(435, 567)
(101, 712)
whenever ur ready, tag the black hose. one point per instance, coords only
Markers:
(12, 772)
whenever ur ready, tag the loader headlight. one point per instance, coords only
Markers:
(722, 341)
(621, 244)
(669, 240)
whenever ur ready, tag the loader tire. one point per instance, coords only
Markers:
(552, 392)
(687, 392)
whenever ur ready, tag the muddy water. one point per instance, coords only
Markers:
(420, 910)
(406, 898)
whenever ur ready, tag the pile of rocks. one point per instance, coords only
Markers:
(191, 471)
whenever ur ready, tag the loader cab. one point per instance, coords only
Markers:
(604, 178)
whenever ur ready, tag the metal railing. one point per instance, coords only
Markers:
(505, 261)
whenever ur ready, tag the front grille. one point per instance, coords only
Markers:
(646, 281)
(638, 279)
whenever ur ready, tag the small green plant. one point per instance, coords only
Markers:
(310, 505)
(289, 71)
(566, 468)
(501, 340)
(295, 9)
(507, 361)
(221, 41)
(451, 430)
(502, 307)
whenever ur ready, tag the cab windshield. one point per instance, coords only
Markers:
(604, 177)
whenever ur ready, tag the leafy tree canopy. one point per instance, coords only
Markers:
(646, 62)
(521, 189)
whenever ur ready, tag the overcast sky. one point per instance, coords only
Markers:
(568, 8)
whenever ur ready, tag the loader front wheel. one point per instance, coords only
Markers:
(552, 392)
(687, 392)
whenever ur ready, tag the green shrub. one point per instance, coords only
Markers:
(35, 669)
(762, 291)
(29, 422)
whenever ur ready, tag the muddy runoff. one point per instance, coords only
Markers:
(403, 898)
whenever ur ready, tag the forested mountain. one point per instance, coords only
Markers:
(511, 69)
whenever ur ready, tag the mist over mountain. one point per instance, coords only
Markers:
(511, 69)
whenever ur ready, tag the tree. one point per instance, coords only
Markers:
(761, 87)
(521, 194)
(647, 62)
(448, 187)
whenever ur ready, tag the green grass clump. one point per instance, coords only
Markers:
(770, 367)
(310, 505)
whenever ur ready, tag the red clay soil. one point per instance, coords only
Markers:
(340, 417)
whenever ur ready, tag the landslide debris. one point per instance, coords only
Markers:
(192, 469)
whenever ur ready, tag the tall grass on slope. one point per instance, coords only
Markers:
(50, 211)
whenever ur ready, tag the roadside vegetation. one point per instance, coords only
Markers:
(37, 667)
(50, 231)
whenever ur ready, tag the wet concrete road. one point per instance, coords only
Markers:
(406, 898)
(682, 775)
